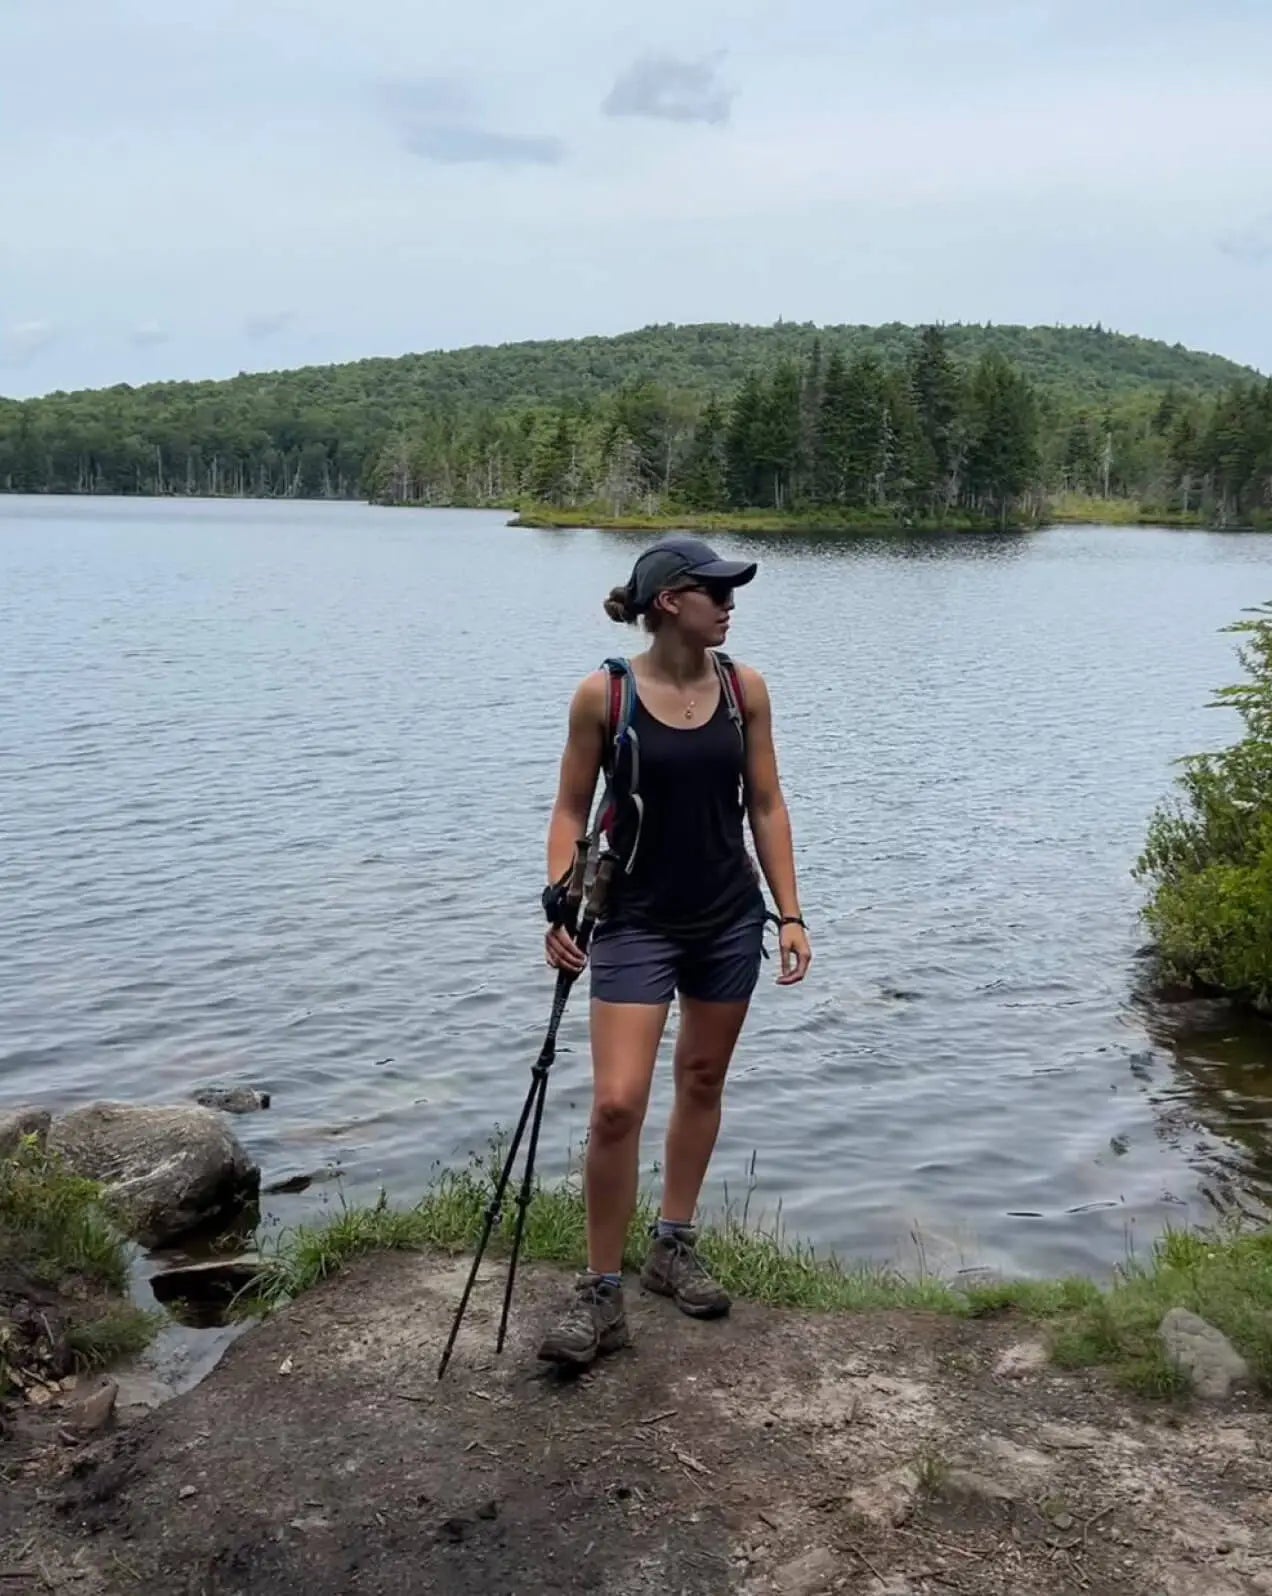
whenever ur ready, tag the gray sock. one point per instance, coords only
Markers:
(672, 1227)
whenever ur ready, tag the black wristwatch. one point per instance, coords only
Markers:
(554, 899)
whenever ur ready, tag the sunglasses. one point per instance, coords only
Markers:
(720, 593)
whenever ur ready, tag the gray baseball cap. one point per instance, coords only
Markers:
(680, 562)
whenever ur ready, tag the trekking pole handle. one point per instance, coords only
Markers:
(578, 874)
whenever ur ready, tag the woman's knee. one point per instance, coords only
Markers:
(700, 1078)
(615, 1117)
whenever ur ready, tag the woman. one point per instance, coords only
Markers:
(687, 917)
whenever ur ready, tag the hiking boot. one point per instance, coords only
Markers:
(594, 1323)
(673, 1269)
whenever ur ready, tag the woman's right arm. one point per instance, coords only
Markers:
(576, 785)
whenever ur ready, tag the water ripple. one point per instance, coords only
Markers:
(273, 788)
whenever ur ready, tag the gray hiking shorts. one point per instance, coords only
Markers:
(631, 965)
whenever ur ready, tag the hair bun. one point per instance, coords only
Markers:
(618, 606)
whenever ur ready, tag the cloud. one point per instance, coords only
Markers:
(1251, 244)
(424, 98)
(265, 323)
(434, 119)
(671, 90)
(454, 144)
(148, 335)
(22, 341)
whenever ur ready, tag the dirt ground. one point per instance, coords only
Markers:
(772, 1454)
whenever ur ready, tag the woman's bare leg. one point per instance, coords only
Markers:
(625, 1038)
(704, 1049)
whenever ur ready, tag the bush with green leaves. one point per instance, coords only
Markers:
(1208, 855)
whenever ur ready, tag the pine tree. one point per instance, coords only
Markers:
(865, 430)
(829, 449)
(1081, 456)
(30, 460)
(811, 386)
(777, 437)
(936, 391)
(550, 465)
(702, 482)
(1003, 425)
(743, 442)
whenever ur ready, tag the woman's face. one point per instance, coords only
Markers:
(702, 611)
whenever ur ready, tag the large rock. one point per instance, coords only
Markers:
(1202, 1352)
(19, 1122)
(164, 1171)
(810, 1575)
(232, 1099)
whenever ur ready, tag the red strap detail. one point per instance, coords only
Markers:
(615, 702)
(736, 679)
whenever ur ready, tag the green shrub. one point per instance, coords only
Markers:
(1208, 856)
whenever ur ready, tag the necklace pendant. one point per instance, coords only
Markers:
(689, 710)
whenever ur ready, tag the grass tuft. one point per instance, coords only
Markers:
(118, 1333)
(55, 1237)
(51, 1225)
(931, 1471)
(1225, 1278)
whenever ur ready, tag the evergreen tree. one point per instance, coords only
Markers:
(866, 431)
(550, 467)
(702, 482)
(1081, 456)
(743, 441)
(777, 436)
(1003, 436)
(30, 461)
(936, 393)
(830, 446)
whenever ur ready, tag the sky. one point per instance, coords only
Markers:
(192, 191)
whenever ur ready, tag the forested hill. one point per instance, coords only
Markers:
(881, 418)
(1086, 363)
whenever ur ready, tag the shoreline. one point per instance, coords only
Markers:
(1056, 1434)
(1112, 514)
(776, 1452)
(1071, 510)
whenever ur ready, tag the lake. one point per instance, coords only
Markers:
(274, 783)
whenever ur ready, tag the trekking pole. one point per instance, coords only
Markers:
(591, 893)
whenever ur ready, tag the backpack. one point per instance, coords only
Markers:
(622, 811)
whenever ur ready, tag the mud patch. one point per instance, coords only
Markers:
(773, 1452)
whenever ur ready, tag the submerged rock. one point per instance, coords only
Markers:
(20, 1122)
(213, 1281)
(290, 1185)
(164, 1171)
(1205, 1354)
(232, 1099)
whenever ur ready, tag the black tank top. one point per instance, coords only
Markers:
(692, 874)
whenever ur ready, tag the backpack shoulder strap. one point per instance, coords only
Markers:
(731, 687)
(621, 706)
(621, 738)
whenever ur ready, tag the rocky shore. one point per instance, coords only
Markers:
(782, 1452)
(777, 1453)
(78, 1192)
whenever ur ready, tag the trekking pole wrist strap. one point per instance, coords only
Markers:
(555, 903)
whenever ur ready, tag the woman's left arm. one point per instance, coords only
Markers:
(771, 825)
